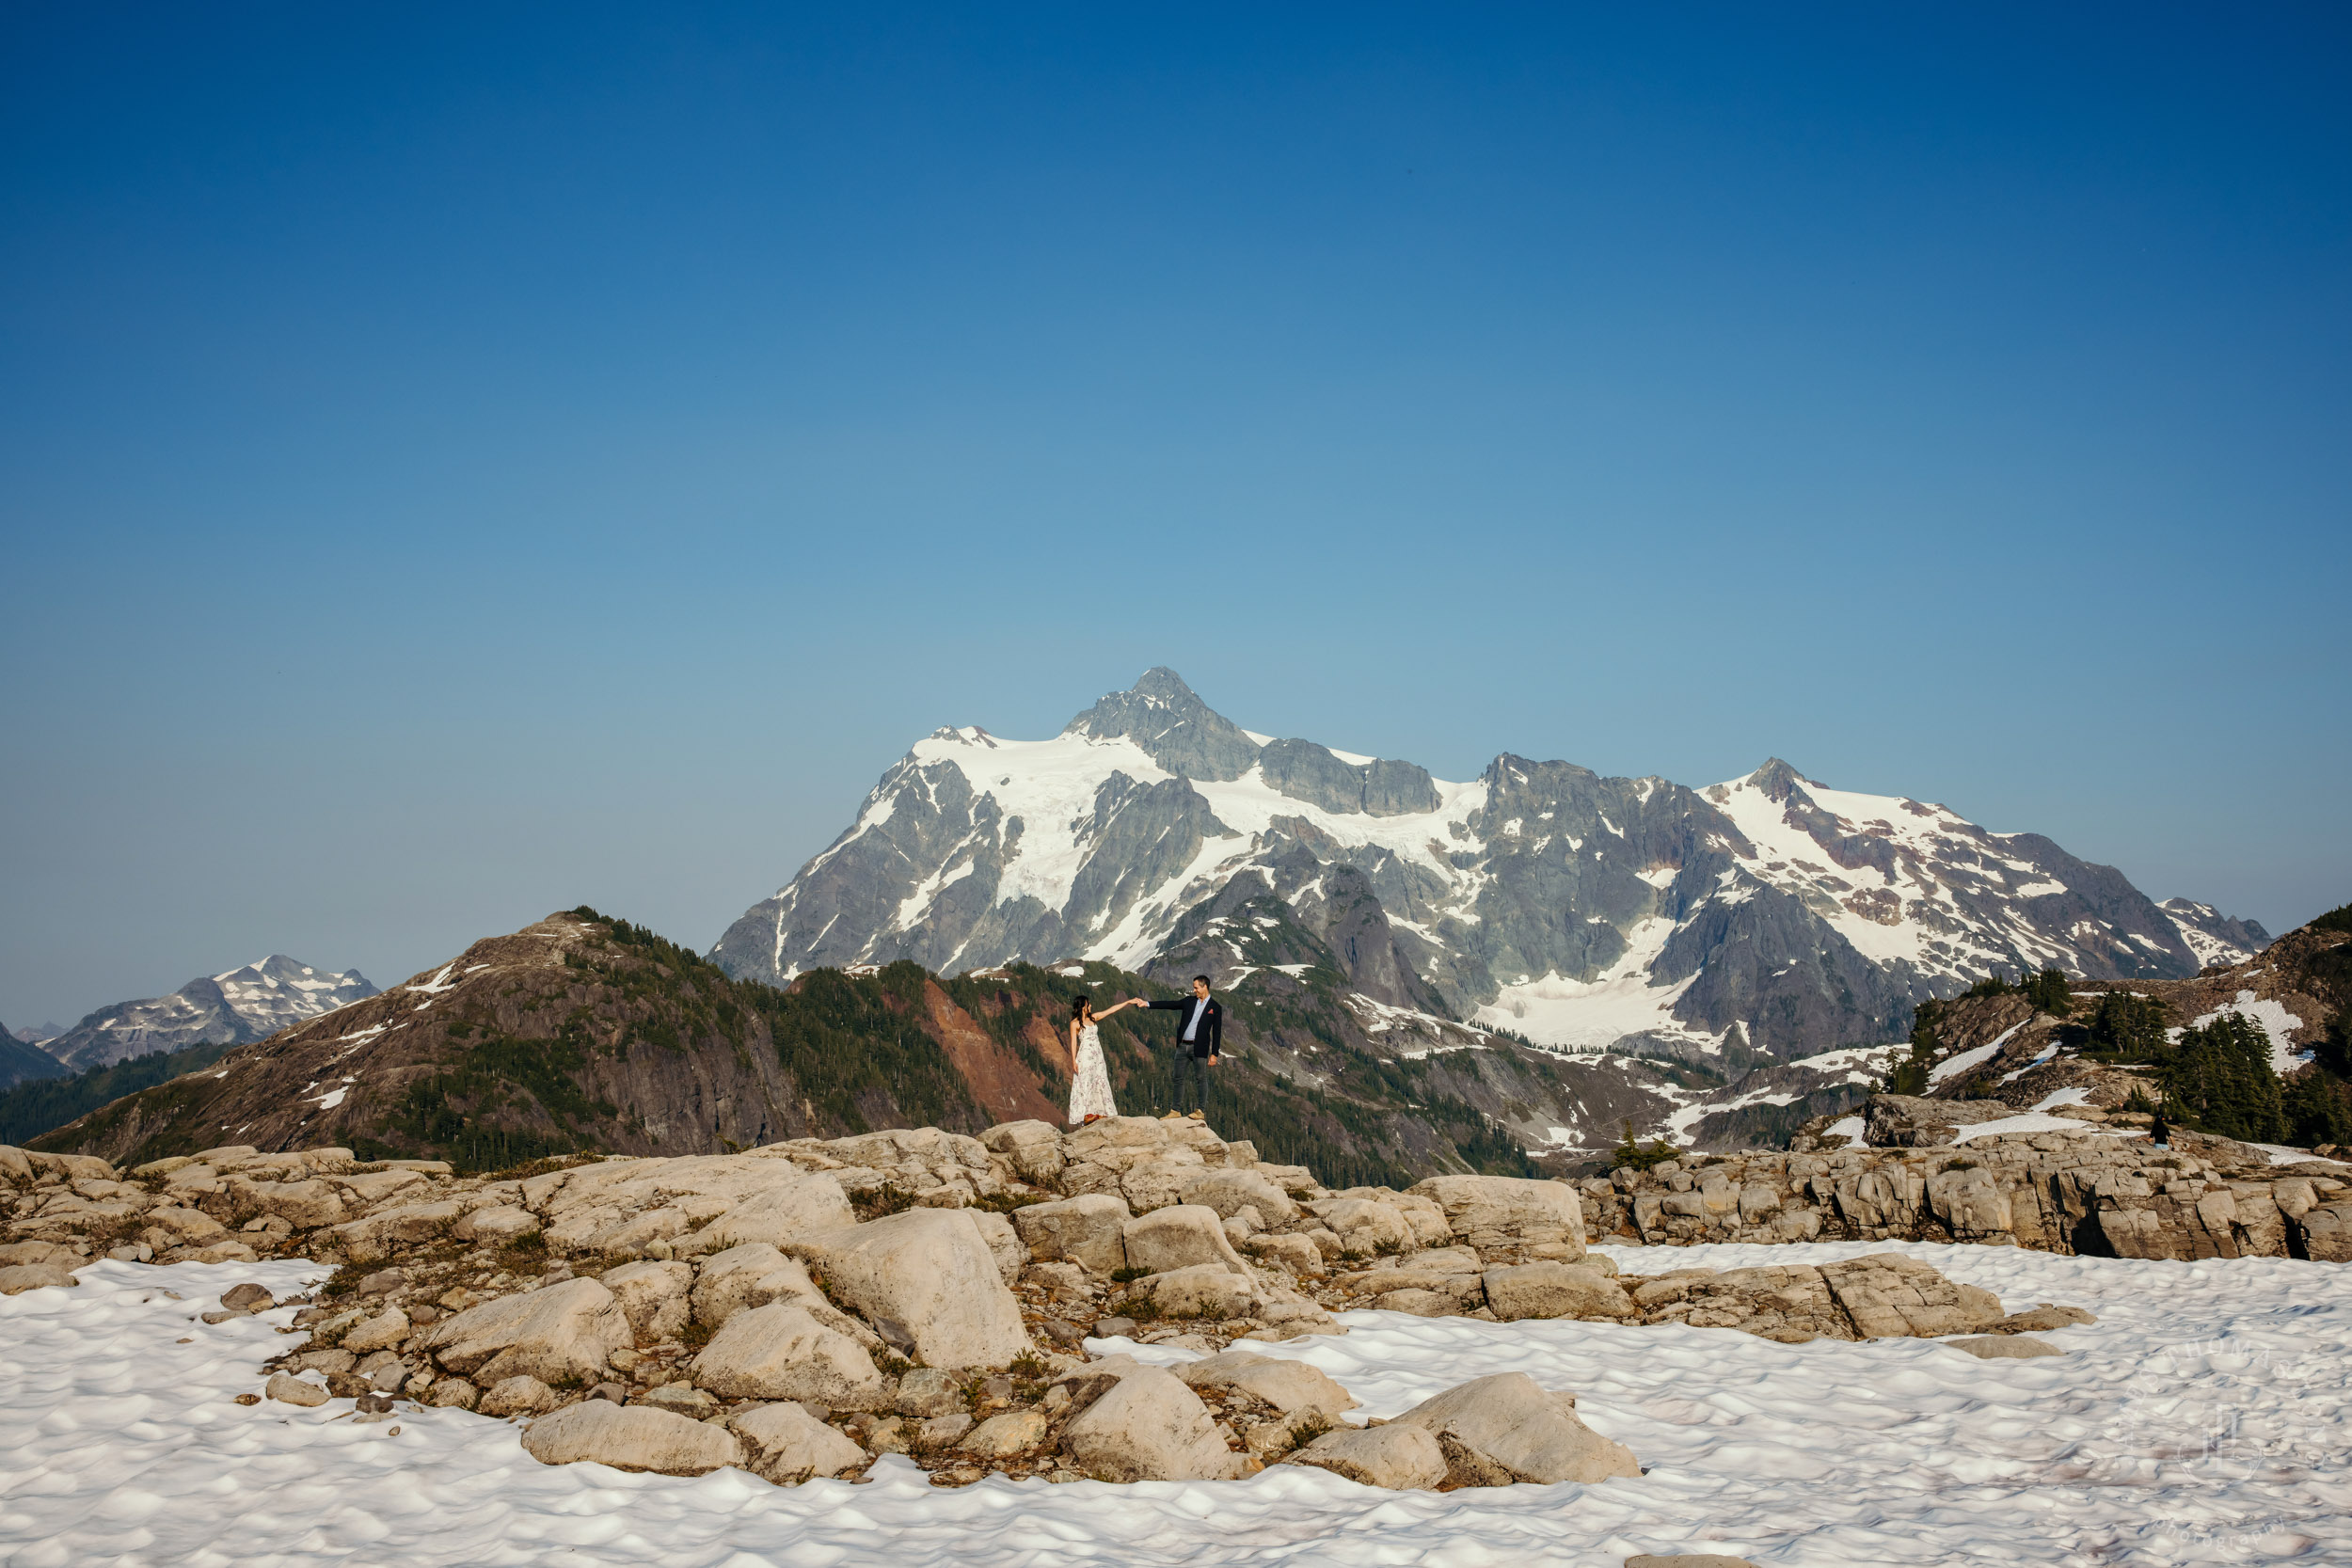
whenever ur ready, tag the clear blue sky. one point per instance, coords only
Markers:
(461, 462)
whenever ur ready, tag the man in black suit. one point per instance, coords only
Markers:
(1202, 1033)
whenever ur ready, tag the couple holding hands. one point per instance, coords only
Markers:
(1201, 1034)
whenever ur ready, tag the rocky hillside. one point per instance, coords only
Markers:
(586, 1033)
(236, 1008)
(1770, 914)
(2281, 1017)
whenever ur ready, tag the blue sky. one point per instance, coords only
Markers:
(463, 462)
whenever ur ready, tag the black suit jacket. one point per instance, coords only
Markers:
(1209, 1039)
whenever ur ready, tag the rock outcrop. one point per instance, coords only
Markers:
(2079, 1186)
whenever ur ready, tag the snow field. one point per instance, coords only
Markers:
(2200, 1421)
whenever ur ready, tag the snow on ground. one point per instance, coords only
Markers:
(2200, 1421)
(1967, 1059)
(2034, 1121)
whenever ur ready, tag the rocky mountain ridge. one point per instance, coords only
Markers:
(1769, 914)
(233, 1009)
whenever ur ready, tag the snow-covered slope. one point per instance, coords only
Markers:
(238, 1006)
(1578, 911)
(2213, 937)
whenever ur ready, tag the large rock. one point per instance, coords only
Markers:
(1202, 1290)
(1505, 1428)
(1228, 1192)
(1888, 1294)
(2327, 1233)
(630, 1437)
(1088, 1230)
(20, 1277)
(1506, 1211)
(755, 1274)
(1554, 1290)
(1915, 1121)
(304, 1205)
(556, 1334)
(500, 1224)
(1366, 1226)
(926, 1282)
(1148, 1426)
(779, 1351)
(1397, 1456)
(1292, 1387)
(387, 1328)
(1002, 1241)
(294, 1390)
(652, 1296)
(785, 1443)
(1181, 1235)
(795, 1204)
(1005, 1435)
(516, 1396)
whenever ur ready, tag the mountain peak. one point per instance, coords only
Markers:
(1173, 726)
(1778, 781)
(1160, 681)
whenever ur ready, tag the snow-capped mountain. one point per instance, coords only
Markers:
(2213, 937)
(241, 1006)
(1769, 912)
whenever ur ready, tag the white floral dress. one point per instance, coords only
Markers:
(1090, 1086)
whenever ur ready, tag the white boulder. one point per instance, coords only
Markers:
(926, 1282)
(556, 1334)
(778, 1352)
(630, 1437)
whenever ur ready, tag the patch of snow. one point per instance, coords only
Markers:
(2051, 1101)
(1558, 1011)
(1845, 1127)
(2032, 1121)
(2274, 1022)
(1967, 1059)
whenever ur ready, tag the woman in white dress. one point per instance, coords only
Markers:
(1090, 1080)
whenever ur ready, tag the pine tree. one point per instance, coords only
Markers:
(2220, 1080)
(2048, 993)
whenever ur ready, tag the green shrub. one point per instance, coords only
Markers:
(1632, 1154)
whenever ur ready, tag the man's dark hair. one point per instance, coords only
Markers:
(1201, 979)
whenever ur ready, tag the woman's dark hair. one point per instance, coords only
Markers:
(1078, 1005)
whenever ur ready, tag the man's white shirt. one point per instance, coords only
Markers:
(1192, 1024)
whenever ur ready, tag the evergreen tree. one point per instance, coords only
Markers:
(1910, 1076)
(2220, 1080)
(2048, 993)
(2128, 1028)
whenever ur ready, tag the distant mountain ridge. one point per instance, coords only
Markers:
(1770, 914)
(21, 1063)
(233, 1009)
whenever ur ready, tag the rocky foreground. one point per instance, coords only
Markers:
(798, 1309)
